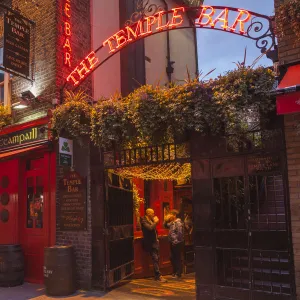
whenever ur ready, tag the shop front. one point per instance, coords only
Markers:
(27, 192)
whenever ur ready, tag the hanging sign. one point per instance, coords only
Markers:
(73, 206)
(65, 152)
(16, 54)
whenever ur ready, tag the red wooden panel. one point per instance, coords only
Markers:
(8, 230)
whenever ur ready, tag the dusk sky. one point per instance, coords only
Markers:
(220, 49)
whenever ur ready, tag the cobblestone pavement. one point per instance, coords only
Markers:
(141, 289)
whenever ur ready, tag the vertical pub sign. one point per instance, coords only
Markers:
(16, 54)
(73, 206)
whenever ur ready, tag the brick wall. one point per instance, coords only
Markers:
(289, 52)
(81, 45)
(49, 71)
(293, 162)
(44, 69)
(81, 240)
(50, 74)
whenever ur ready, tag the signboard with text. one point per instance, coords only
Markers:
(16, 54)
(73, 206)
(20, 138)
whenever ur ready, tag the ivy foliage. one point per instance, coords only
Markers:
(288, 13)
(155, 114)
(5, 117)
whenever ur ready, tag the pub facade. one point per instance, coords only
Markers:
(70, 192)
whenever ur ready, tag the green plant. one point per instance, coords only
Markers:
(110, 125)
(288, 13)
(154, 114)
(73, 118)
(5, 116)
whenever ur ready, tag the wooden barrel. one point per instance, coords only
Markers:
(59, 271)
(11, 265)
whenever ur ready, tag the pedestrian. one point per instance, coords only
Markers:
(150, 241)
(176, 239)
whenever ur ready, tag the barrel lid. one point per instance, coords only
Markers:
(60, 247)
(9, 246)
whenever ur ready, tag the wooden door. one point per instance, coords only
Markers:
(34, 208)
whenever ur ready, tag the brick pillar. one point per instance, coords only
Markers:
(289, 53)
(293, 162)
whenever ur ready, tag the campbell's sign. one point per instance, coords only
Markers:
(212, 17)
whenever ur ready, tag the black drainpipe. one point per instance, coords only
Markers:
(169, 69)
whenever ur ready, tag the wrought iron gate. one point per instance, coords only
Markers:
(242, 218)
(118, 229)
(253, 258)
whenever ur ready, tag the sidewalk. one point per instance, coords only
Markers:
(141, 289)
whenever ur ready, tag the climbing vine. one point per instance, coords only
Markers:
(288, 13)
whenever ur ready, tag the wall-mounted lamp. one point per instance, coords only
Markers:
(27, 99)
(20, 105)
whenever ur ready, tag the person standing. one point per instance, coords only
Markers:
(176, 239)
(150, 242)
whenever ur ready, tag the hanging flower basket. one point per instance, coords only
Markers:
(5, 117)
(73, 118)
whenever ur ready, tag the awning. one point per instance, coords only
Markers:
(289, 101)
(21, 151)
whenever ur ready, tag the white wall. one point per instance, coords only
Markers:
(105, 22)
(182, 51)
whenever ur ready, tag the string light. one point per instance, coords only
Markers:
(171, 171)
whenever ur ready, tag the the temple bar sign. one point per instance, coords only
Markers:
(233, 20)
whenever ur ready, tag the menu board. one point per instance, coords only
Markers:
(73, 204)
(263, 163)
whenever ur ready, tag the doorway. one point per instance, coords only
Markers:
(132, 189)
(34, 210)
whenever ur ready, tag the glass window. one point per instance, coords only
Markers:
(30, 202)
(35, 202)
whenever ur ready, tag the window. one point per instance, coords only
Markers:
(5, 85)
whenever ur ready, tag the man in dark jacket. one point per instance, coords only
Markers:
(150, 242)
(176, 239)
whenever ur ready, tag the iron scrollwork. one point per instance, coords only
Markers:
(143, 9)
(262, 32)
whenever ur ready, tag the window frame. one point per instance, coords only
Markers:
(6, 83)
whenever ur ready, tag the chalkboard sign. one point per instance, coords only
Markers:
(16, 56)
(73, 202)
(263, 164)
